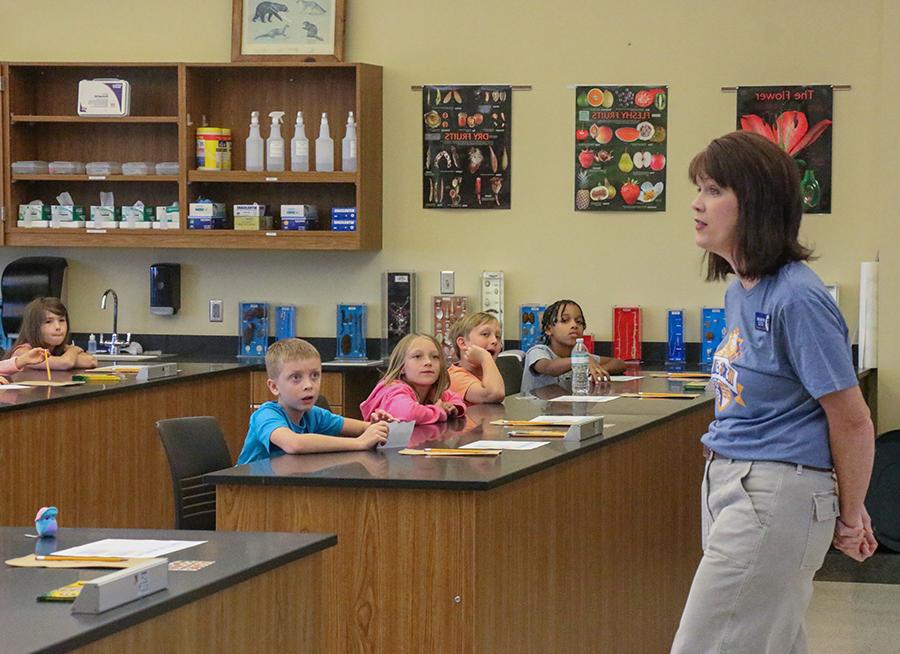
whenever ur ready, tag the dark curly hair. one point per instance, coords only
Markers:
(552, 314)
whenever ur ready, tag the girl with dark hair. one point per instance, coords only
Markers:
(790, 418)
(550, 361)
(45, 324)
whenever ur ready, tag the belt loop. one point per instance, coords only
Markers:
(799, 468)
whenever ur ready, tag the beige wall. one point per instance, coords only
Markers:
(544, 247)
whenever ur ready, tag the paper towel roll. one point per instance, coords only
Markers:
(868, 314)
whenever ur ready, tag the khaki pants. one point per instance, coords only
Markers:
(766, 529)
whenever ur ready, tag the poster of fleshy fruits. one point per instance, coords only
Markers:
(466, 147)
(798, 119)
(620, 148)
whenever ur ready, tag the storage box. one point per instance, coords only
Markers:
(66, 212)
(298, 211)
(252, 223)
(249, 210)
(102, 224)
(298, 224)
(343, 219)
(195, 222)
(104, 97)
(33, 223)
(34, 212)
(168, 217)
(207, 210)
(137, 214)
(104, 213)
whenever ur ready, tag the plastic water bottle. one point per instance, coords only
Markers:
(92, 344)
(581, 384)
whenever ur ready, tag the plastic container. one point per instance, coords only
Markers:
(92, 344)
(138, 168)
(348, 146)
(66, 168)
(275, 144)
(167, 168)
(254, 145)
(30, 168)
(324, 147)
(581, 384)
(300, 146)
(103, 168)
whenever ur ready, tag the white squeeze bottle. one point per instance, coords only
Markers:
(300, 146)
(348, 146)
(581, 385)
(324, 147)
(254, 152)
(275, 144)
(92, 344)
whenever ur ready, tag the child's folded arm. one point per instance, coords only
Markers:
(293, 443)
(406, 407)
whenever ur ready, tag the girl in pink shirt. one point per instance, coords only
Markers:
(416, 386)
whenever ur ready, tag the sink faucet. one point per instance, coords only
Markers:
(113, 343)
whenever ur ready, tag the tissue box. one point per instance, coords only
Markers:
(298, 211)
(66, 212)
(249, 210)
(252, 223)
(195, 222)
(34, 212)
(104, 97)
(343, 219)
(167, 217)
(104, 214)
(137, 214)
(102, 224)
(207, 210)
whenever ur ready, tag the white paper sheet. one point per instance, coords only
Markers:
(12, 387)
(584, 398)
(624, 378)
(563, 420)
(503, 445)
(399, 434)
(128, 548)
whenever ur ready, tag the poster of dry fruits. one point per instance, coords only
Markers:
(466, 147)
(620, 148)
(798, 119)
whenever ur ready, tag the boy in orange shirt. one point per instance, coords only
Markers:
(475, 377)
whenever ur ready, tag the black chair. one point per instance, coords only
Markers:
(194, 447)
(511, 369)
(24, 280)
(884, 490)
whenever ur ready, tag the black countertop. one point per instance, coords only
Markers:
(30, 626)
(386, 468)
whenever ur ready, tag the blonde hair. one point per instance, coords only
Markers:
(466, 324)
(398, 358)
(288, 349)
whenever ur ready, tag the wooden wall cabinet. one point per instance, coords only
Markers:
(169, 101)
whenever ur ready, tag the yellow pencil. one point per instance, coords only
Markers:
(47, 363)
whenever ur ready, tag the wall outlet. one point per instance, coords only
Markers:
(448, 283)
(215, 310)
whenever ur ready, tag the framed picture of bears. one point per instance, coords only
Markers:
(287, 30)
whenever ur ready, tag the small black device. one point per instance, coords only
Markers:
(165, 288)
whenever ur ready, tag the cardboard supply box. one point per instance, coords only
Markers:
(137, 214)
(343, 219)
(295, 211)
(207, 210)
(298, 224)
(252, 223)
(168, 217)
(62, 212)
(34, 212)
(202, 222)
(250, 210)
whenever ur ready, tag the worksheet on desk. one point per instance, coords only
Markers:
(624, 378)
(12, 387)
(503, 445)
(583, 398)
(129, 548)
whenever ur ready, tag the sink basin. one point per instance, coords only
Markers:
(127, 357)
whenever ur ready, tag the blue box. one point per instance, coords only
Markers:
(712, 331)
(675, 346)
(530, 316)
(343, 219)
(253, 329)
(207, 223)
(285, 322)
(351, 331)
(298, 224)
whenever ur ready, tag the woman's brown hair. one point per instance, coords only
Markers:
(32, 320)
(767, 185)
(398, 358)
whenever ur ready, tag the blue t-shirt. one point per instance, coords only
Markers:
(270, 416)
(787, 345)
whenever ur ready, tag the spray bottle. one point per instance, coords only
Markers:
(299, 146)
(348, 146)
(254, 148)
(324, 147)
(275, 144)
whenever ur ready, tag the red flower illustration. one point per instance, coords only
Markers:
(791, 132)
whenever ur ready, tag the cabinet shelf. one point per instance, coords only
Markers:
(140, 120)
(231, 176)
(95, 178)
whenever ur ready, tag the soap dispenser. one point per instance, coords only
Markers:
(275, 144)
(254, 149)
(299, 146)
(324, 147)
(348, 146)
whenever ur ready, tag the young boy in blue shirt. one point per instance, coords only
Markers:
(294, 424)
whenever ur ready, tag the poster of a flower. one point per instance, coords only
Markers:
(799, 120)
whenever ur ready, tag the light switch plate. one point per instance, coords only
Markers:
(215, 310)
(448, 282)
